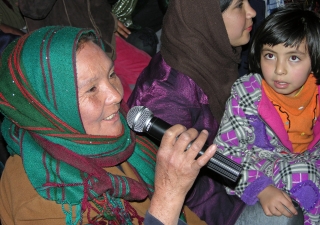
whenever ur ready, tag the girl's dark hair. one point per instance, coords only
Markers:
(289, 25)
(224, 4)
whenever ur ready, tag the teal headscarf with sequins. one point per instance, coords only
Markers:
(38, 96)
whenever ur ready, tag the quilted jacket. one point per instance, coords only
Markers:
(252, 133)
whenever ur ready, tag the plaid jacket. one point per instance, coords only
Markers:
(252, 133)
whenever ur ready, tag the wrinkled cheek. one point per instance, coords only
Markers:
(90, 112)
(87, 119)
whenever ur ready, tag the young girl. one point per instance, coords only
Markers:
(270, 124)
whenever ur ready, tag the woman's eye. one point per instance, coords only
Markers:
(92, 89)
(112, 75)
(240, 5)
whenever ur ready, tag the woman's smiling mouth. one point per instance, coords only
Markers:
(111, 116)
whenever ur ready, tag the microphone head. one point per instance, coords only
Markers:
(138, 117)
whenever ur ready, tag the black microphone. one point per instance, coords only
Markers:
(141, 119)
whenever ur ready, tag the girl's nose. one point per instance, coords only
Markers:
(280, 68)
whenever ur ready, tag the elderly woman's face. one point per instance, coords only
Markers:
(99, 91)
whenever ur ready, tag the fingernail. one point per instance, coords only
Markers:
(205, 131)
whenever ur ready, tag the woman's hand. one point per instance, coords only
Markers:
(276, 202)
(176, 171)
(122, 30)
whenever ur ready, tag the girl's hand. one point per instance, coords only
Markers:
(176, 171)
(276, 202)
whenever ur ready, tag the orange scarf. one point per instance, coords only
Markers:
(298, 113)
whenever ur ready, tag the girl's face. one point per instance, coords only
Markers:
(285, 69)
(99, 91)
(238, 21)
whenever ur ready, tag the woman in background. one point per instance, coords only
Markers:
(189, 81)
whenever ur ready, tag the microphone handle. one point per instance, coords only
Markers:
(219, 163)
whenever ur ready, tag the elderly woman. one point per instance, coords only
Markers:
(73, 158)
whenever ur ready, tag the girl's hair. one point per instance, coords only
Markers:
(224, 4)
(289, 26)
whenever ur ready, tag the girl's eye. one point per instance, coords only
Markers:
(269, 56)
(294, 58)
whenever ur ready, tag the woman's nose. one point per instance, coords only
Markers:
(113, 94)
(251, 13)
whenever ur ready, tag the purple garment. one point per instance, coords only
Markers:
(177, 99)
(173, 97)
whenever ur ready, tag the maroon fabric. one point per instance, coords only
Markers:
(94, 168)
(128, 65)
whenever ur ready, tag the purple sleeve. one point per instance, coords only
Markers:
(242, 137)
(250, 195)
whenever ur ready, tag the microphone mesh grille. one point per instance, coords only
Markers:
(137, 118)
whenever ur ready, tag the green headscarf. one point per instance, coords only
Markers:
(38, 96)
